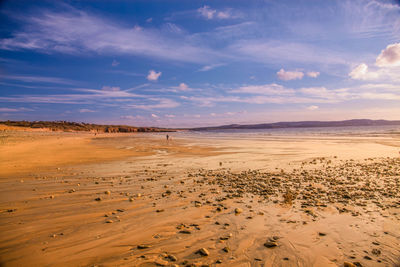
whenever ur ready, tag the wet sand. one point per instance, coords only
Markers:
(75, 199)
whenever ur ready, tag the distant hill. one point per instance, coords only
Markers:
(303, 124)
(66, 126)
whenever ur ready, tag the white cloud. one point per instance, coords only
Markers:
(170, 116)
(183, 87)
(114, 63)
(210, 13)
(154, 116)
(153, 75)
(313, 107)
(313, 74)
(85, 110)
(361, 73)
(110, 88)
(207, 12)
(390, 56)
(289, 75)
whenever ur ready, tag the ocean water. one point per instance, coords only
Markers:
(359, 131)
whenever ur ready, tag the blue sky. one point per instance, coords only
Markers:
(195, 63)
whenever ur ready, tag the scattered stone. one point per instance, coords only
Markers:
(238, 210)
(321, 234)
(376, 252)
(270, 244)
(160, 210)
(143, 246)
(171, 257)
(348, 264)
(109, 221)
(203, 252)
(226, 249)
(185, 232)
(98, 199)
(107, 192)
(160, 262)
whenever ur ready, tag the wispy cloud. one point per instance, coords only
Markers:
(39, 79)
(15, 109)
(86, 110)
(156, 103)
(210, 67)
(77, 32)
(265, 89)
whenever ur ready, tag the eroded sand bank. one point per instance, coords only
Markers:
(69, 199)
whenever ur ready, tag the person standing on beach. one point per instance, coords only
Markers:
(167, 137)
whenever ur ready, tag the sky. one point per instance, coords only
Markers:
(199, 63)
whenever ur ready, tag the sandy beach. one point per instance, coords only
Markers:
(79, 199)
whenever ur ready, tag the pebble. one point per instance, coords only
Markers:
(160, 262)
(203, 252)
(171, 257)
(143, 246)
(98, 199)
(270, 244)
(238, 210)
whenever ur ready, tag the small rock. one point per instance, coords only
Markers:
(107, 192)
(238, 210)
(226, 249)
(270, 244)
(171, 257)
(376, 252)
(160, 262)
(185, 232)
(203, 252)
(143, 246)
(348, 264)
(98, 199)
(109, 221)
(321, 234)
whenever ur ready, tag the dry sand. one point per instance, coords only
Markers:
(75, 199)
